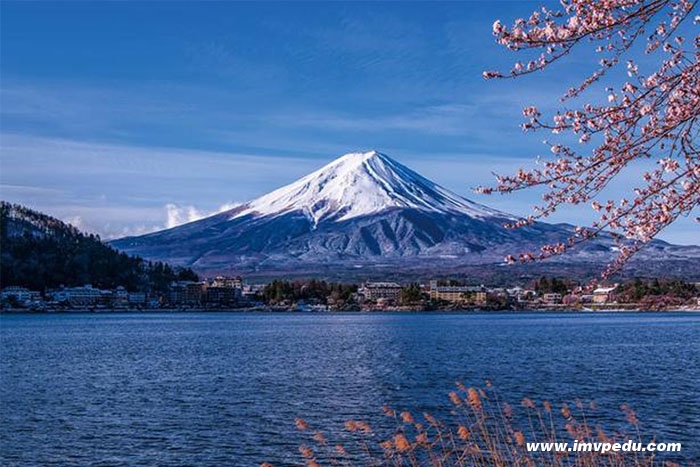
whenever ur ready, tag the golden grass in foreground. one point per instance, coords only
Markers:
(483, 431)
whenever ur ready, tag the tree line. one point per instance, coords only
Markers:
(41, 252)
(319, 291)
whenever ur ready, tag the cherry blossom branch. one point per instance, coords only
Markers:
(649, 117)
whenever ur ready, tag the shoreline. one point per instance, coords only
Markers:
(274, 310)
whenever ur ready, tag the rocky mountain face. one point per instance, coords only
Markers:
(366, 215)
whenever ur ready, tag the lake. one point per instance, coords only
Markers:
(224, 388)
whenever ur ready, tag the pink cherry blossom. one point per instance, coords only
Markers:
(654, 116)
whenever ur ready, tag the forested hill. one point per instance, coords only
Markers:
(38, 251)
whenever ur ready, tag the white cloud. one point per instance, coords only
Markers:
(178, 215)
(173, 215)
(76, 221)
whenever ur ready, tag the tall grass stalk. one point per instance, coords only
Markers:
(481, 430)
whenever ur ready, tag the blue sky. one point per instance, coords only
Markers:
(125, 117)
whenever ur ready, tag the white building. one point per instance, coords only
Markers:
(79, 296)
(137, 298)
(552, 298)
(521, 294)
(604, 294)
(21, 295)
(388, 291)
(227, 282)
(120, 297)
(457, 293)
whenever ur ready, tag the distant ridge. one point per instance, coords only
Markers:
(367, 214)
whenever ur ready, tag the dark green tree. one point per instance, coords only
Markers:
(39, 252)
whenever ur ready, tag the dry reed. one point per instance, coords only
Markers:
(483, 432)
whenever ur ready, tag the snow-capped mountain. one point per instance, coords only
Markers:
(363, 184)
(364, 213)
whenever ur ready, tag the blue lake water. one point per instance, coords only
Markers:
(224, 388)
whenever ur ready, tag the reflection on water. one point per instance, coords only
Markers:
(225, 388)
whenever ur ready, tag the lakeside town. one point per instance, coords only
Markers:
(50, 266)
(233, 293)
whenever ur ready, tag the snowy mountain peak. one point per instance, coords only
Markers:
(361, 156)
(365, 215)
(361, 184)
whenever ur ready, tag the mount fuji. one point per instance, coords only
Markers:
(367, 215)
